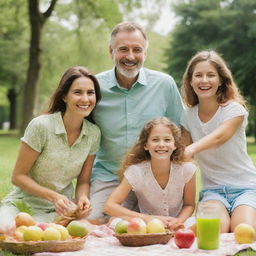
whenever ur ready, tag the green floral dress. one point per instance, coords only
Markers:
(57, 165)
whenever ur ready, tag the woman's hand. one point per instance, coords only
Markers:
(62, 204)
(188, 153)
(83, 207)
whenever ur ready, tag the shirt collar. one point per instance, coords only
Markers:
(142, 80)
(60, 128)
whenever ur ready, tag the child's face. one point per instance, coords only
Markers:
(160, 143)
(205, 80)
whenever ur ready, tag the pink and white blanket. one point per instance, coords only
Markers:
(101, 242)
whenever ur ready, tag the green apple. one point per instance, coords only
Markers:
(121, 227)
(155, 226)
(51, 233)
(78, 228)
(33, 233)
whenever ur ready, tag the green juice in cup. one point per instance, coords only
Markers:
(208, 231)
(208, 225)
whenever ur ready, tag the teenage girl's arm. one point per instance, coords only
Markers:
(215, 139)
(26, 158)
(82, 188)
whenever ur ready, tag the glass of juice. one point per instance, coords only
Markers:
(208, 226)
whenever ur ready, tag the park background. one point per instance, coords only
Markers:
(40, 39)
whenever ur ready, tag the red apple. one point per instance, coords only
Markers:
(136, 226)
(184, 238)
(42, 225)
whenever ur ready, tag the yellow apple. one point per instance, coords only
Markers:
(51, 233)
(155, 226)
(63, 231)
(33, 233)
(244, 233)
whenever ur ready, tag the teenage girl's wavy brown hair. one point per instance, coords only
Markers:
(138, 154)
(228, 89)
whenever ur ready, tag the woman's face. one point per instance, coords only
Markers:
(81, 97)
(205, 80)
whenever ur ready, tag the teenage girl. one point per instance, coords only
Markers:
(214, 128)
(155, 171)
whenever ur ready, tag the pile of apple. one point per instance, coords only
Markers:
(28, 230)
(137, 226)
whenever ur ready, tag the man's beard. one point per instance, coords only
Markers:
(129, 73)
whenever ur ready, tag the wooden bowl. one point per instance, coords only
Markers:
(23, 247)
(144, 239)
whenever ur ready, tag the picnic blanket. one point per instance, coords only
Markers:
(101, 242)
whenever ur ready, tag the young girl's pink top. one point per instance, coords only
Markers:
(154, 200)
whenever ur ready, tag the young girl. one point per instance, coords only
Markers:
(155, 171)
(214, 126)
(56, 148)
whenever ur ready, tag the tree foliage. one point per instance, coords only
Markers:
(227, 26)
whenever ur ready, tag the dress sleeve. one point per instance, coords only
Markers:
(35, 135)
(188, 171)
(234, 109)
(132, 176)
(96, 141)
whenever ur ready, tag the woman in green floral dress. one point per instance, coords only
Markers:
(57, 148)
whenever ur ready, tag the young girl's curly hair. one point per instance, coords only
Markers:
(138, 154)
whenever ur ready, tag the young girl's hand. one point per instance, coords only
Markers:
(174, 224)
(83, 207)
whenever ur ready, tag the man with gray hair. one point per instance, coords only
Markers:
(131, 95)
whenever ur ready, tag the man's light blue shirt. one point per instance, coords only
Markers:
(122, 113)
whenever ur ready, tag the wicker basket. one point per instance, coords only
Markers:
(144, 239)
(43, 246)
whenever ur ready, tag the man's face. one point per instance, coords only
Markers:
(129, 53)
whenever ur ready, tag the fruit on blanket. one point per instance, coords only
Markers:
(184, 238)
(63, 231)
(19, 232)
(23, 218)
(136, 226)
(33, 233)
(51, 233)
(43, 225)
(244, 233)
(78, 228)
(21, 228)
(121, 227)
(155, 226)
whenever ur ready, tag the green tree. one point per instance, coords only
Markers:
(13, 48)
(228, 26)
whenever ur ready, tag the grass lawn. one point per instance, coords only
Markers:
(9, 146)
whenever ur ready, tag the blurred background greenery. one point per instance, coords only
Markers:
(40, 39)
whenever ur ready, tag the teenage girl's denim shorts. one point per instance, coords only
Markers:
(231, 197)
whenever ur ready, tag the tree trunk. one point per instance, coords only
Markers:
(254, 126)
(37, 20)
(12, 97)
